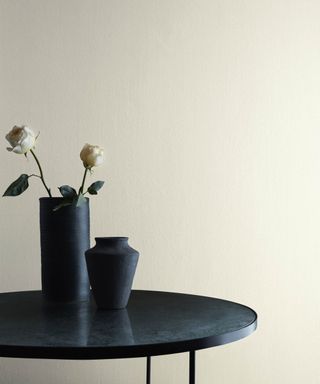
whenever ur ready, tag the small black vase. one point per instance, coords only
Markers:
(111, 266)
(64, 239)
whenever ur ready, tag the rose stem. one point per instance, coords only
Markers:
(41, 173)
(83, 181)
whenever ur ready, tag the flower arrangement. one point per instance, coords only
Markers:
(23, 141)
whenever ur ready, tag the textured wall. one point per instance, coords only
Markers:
(209, 115)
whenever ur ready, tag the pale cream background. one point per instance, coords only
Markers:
(209, 112)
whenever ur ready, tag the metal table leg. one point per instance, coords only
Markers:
(148, 370)
(192, 367)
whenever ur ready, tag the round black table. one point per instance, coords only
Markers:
(154, 323)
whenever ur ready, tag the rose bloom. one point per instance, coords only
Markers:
(21, 139)
(91, 155)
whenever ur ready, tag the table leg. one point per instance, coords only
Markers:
(148, 370)
(192, 367)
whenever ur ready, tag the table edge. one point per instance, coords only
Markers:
(118, 352)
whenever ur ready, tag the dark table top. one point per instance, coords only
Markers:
(154, 323)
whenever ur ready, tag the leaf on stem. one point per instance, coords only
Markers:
(80, 200)
(94, 187)
(67, 191)
(18, 186)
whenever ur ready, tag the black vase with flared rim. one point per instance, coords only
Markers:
(111, 266)
(65, 236)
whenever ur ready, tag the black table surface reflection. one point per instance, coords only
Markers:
(154, 323)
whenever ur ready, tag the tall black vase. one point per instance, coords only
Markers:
(65, 236)
(111, 266)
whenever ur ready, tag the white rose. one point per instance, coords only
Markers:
(91, 155)
(21, 139)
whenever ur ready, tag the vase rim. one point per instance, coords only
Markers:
(112, 238)
(55, 198)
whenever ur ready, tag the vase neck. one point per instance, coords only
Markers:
(111, 241)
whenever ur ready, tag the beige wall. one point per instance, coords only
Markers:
(209, 115)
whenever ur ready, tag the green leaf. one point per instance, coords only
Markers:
(61, 206)
(94, 188)
(18, 186)
(67, 191)
(80, 200)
